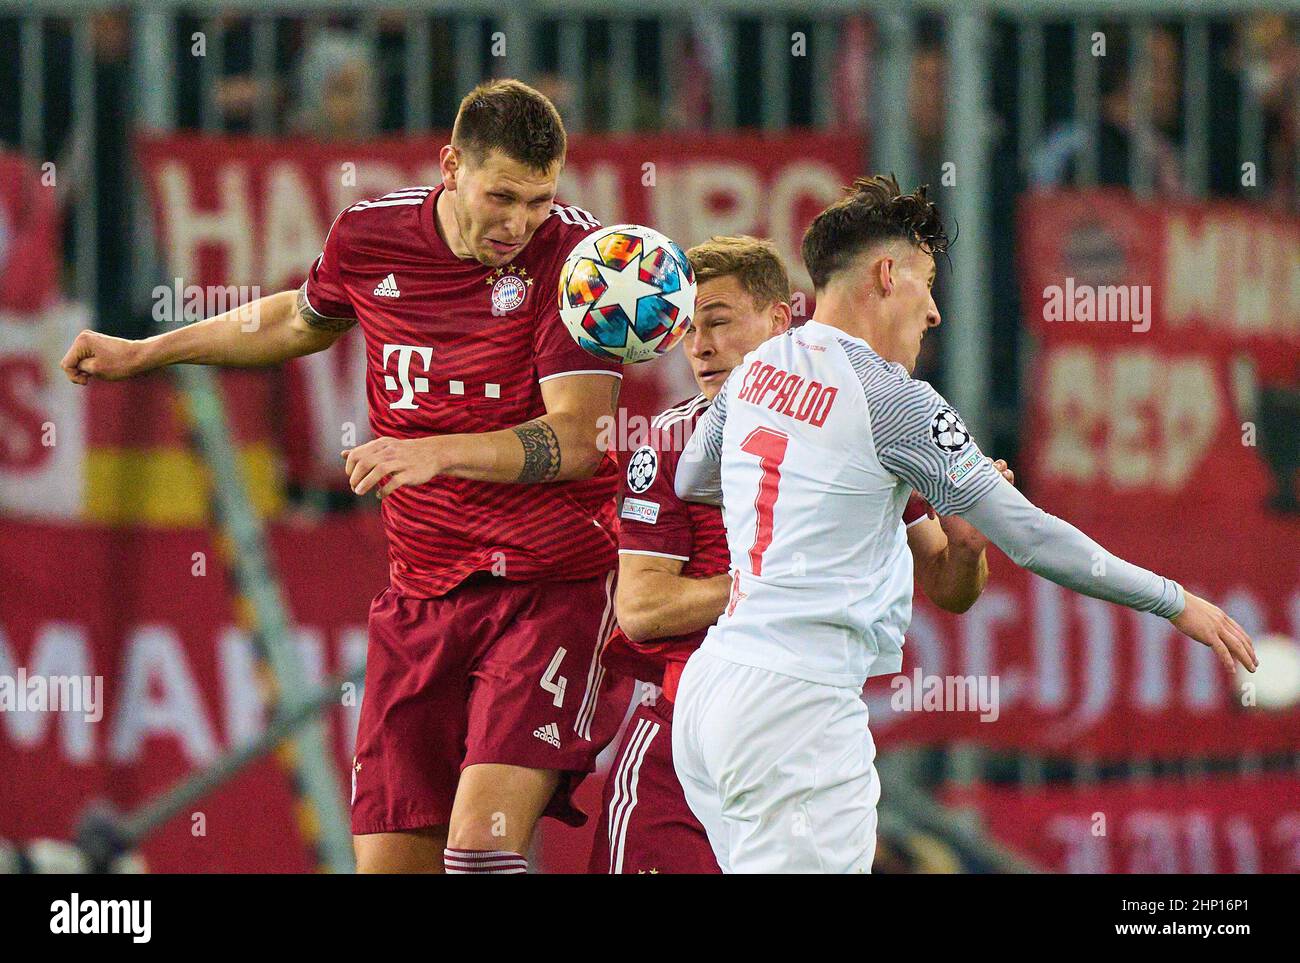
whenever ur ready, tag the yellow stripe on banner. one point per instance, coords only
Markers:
(168, 486)
(308, 821)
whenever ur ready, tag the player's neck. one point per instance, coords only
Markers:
(836, 312)
(444, 220)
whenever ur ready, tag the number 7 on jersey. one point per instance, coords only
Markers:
(769, 445)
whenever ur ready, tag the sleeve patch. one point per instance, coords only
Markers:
(958, 472)
(947, 430)
(640, 510)
(642, 468)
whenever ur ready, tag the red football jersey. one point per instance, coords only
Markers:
(453, 346)
(654, 521)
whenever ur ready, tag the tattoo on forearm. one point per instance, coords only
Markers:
(319, 321)
(541, 452)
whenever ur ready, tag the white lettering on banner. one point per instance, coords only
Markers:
(1128, 416)
(228, 225)
(159, 697)
(1237, 274)
(59, 650)
(1151, 840)
(156, 663)
(41, 476)
(293, 230)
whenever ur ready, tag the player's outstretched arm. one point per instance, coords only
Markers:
(263, 332)
(654, 600)
(949, 557)
(562, 445)
(1056, 550)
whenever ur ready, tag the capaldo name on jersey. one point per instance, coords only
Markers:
(789, 394)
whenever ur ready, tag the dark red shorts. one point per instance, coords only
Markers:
(492, 672)
(645, 824)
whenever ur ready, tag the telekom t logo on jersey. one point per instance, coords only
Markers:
(409, 385)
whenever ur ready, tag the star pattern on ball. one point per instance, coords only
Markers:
(625, 287)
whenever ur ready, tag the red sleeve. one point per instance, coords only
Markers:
(916, 509)
(554, 350)
(652, 519)
(324, 288)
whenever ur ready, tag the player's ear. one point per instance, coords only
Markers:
(449, 165)
(884, 274)
(781, 316)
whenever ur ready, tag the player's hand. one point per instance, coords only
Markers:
(961, 533)
(1210, 625)
(102, 356)
(393, 461)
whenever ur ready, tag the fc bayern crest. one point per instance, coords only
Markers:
(947, 431)
(641, 469)
(508, 289)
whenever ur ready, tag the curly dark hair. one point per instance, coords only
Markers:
(873, 210)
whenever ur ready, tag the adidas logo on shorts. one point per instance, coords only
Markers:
(388, 288)
(549, 733)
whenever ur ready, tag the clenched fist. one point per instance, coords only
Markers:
(102, 356)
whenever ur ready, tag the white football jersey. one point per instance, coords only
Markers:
(820, 441)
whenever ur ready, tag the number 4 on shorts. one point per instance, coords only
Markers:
(551, 682)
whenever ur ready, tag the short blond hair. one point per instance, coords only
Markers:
(752, 261)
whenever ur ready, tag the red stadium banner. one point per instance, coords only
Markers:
(248, 216)
(1060, 673)
(1168, 381)
(1219, 825)
(149, 615)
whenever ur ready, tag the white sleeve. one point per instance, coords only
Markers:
(1055, 549)
(699, 470)
(921, 439)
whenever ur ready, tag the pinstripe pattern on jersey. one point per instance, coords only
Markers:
(900, 409)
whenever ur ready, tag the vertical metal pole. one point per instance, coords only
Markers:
(153, 65)
(519, 59)
(419, 89)
(264, 73)
(467, 49)
(1196, 106)
(211, 70)
(671, 40)
(893, 134)
(966, 343)
(1251, 143)
(622, 65)
(1141, 177)
(573, 67)
(724, 76)
(1029, 90)
(821, 65)
(32, 89)
(1087, 111)
(86, 136)
(775, 42)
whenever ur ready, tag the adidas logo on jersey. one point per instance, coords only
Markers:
(548, 733)
(388, 288)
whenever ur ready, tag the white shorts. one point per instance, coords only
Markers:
(780, 771)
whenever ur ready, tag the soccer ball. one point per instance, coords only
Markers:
(627, 293)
